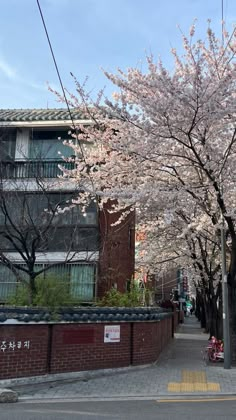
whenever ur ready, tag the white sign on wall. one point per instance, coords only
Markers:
(112, 334)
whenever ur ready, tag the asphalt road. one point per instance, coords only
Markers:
(122, 410)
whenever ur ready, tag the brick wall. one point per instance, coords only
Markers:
(117, 251)
(23, 350)
(31, 350)
(149, 339)
(82, 347)
(166, 284)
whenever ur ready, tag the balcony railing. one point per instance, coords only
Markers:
(33, 169)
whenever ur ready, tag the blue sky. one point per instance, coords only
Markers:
(87, 35)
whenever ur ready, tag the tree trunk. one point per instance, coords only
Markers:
(232, 322)
(197, 306)
(205, 304)
(32, 289)
(200, 309)
(214, 327)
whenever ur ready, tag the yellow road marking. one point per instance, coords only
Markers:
(193, 381)
(196, 400)
(213, 386)
(193, 376)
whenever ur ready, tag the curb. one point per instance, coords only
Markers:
(69, 376)
(159, 398)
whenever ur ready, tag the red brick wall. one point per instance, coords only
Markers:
(23, 361)
(76, 347)
(84, 348)
(149, 339)
(117, 252)
(165, 285)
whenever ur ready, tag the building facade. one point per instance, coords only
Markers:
(82, 248)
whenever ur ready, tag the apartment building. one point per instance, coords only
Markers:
(82, 247)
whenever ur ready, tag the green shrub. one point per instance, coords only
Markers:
(21, 296)
(51, 292)
(132, 298)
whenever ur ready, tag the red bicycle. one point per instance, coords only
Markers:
(215, 350)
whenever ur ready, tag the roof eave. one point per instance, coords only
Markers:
(44, 124)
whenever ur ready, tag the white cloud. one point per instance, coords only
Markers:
(34, 85)
(7, 69)
(58, 3)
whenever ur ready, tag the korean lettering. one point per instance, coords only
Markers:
(13, 345)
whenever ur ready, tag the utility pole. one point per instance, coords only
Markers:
(225, 298)
(226, 336)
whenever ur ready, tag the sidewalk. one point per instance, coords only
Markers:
(180, 371)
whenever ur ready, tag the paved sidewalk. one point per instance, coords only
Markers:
(180, 371)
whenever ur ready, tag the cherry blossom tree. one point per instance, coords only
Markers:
(177, 243)
(168, 136)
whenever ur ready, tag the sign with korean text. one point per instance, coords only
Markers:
(112, 334)
(13, 345)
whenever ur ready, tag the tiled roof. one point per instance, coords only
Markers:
(24, 115)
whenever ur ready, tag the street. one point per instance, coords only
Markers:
(123, 410)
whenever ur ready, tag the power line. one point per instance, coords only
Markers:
(62, 88)
(69, 111)
(54, 60)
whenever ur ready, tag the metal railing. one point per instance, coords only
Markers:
(33, 169)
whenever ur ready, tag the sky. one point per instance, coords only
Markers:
(88, 36)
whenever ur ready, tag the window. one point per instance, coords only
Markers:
(45, 145)
(36, 208)
(30, 219)
(7, 144)
(24, 209)
(81, 277)
(82, 281)
(74, 216)
(7, 283)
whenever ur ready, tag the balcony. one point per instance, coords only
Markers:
(32, 169)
